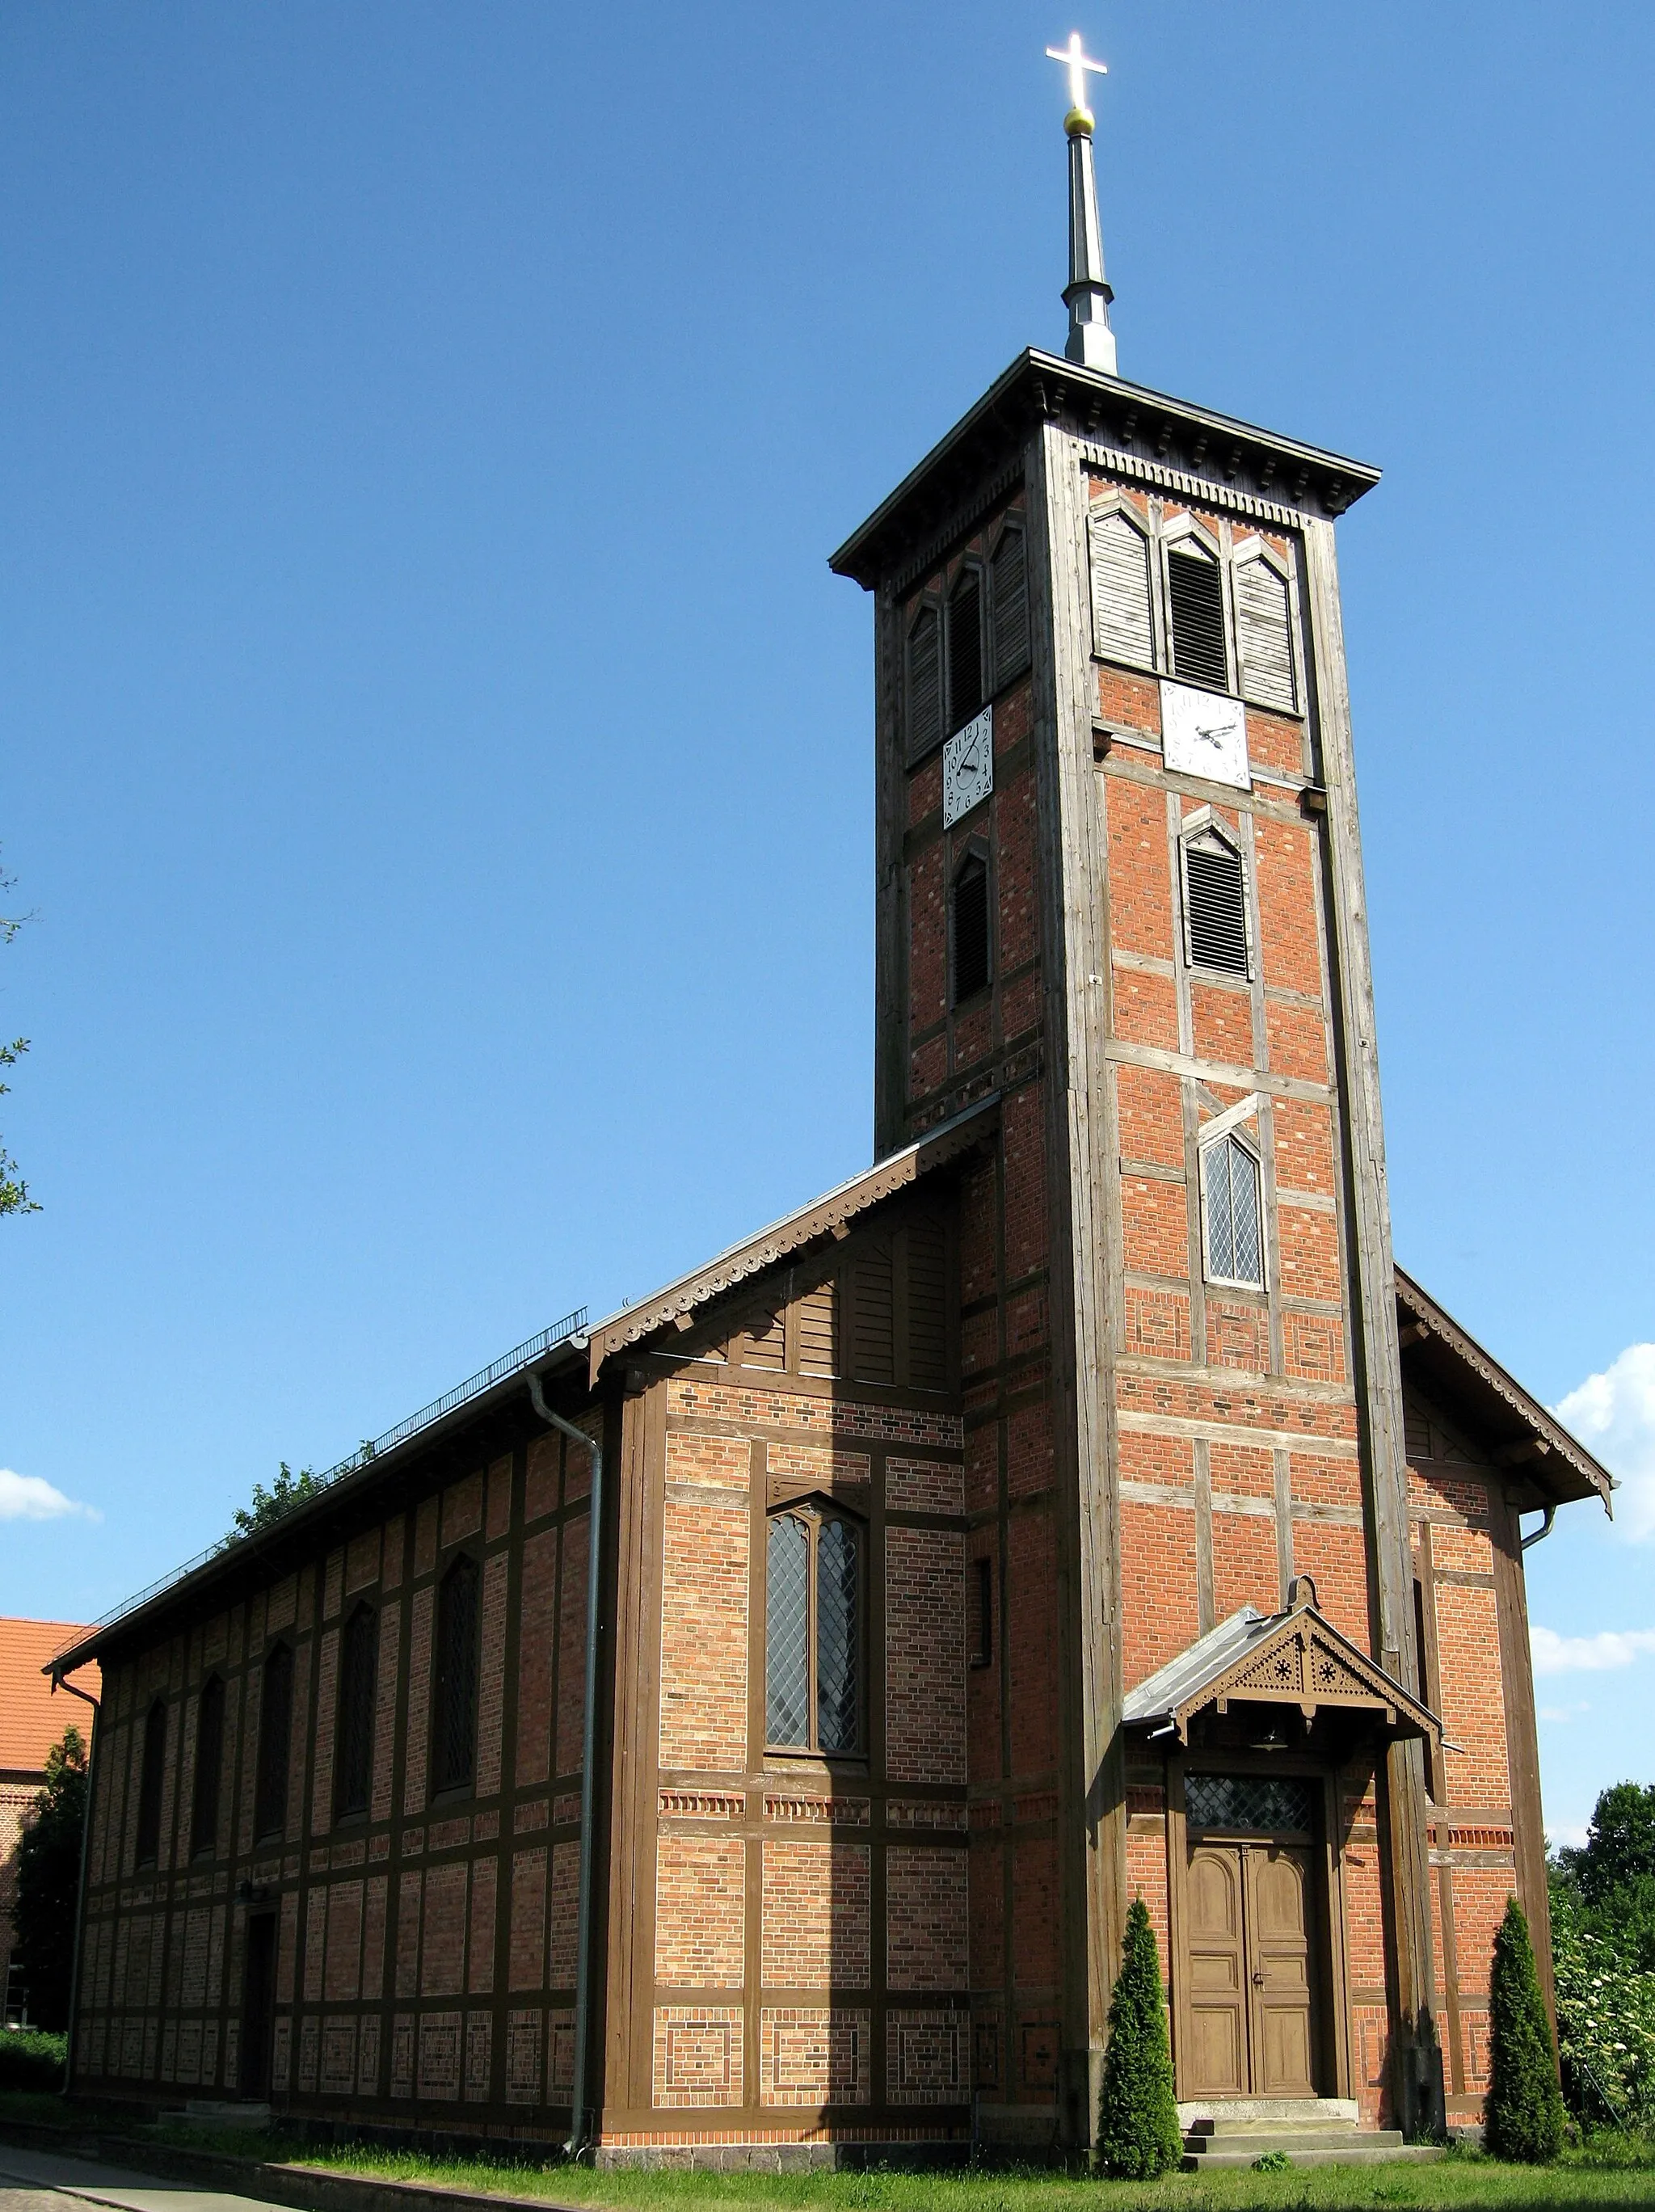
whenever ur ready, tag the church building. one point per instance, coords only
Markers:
(734, 1731)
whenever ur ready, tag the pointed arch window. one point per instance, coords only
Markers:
(1215, 931)
(210, 1767)
(1194, 611)
(965, 643)
(274, 1740)
(454, 1748)
(1233, 1212)
(353, 1771)
(968, 930)
(814, 1602)
(151, 1776)
(925, 681)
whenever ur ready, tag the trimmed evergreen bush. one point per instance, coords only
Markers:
(1139, 2136)
(1525, 2110)
(29, 2060)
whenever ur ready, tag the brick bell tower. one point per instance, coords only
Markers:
(1119, 883)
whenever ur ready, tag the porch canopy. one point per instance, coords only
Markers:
(1295, 1657)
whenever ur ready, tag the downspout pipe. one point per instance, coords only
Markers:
(588, 1763)
(72, 2040)
(1550, 1514)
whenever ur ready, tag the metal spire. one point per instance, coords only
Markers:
(1087, 296)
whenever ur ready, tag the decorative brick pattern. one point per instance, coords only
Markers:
(698, 2055)
(440, 2035)
(924, 2058)
(813, 2055)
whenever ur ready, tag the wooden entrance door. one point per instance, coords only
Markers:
(1250, 1977)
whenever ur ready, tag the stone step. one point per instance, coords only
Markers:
(1255, 2140)
(1211, 2112)
(1356, 2152)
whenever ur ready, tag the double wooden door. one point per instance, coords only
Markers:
(1250, 2010)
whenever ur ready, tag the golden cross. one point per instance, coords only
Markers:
(1074, 55)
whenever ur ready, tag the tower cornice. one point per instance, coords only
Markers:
(1172, 442)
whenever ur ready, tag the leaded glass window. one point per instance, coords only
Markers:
(1236, 1243)
(354, 1774)
(454, 1747)
(1265, 1802)
(813, 1631)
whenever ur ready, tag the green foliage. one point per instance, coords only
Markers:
(269, 1505)
(31, 2060)
(1139, 2136)
(1612, 1874)
(1605, 2016)
(1272, 2161)
(1525, 2107)
(49, 1883)
(14, 1191)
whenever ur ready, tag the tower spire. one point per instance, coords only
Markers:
(1087, 296)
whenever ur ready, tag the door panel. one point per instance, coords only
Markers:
(1278, 1892)
(1218, 2004)
(1250, 1985)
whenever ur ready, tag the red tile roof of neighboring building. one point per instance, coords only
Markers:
(31, 1719)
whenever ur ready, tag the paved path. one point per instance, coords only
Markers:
(49, 2181)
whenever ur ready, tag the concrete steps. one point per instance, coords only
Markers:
(1309, 2131)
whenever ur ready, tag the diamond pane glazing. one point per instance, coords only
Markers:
(836, 1684)
(1264, 1802)
(787, 1633)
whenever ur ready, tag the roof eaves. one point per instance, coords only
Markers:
(834, 1210)
(1547, 1430)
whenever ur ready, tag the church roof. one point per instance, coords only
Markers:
(1548, 1466)
(31, 1719)
(1169, 442)
(1294, 1657)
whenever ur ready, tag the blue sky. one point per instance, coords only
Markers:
(437, 759)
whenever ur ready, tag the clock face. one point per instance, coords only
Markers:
(1203, 733)
(968, 767)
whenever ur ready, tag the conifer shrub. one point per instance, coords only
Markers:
(29, 2060)
(1524, 2109)
(1138, 2136)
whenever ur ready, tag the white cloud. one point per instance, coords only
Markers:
(1563, 1834)
(31, 1497)
(1613, 1416)
(1592, 1654)
(1562, 1714)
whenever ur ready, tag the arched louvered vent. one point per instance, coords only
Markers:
(1009, 602)
(1195, 598)
(965, 647)
(971, 939)
(1121, 626)
(1215, 905)
(925, 680)
(1264, 641)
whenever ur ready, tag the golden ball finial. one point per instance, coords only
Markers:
(1078, 121)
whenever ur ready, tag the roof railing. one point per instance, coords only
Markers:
(509, 1363)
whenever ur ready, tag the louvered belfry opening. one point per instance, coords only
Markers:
(1216, 894)
(925, 681)
(1195, 598)
(209, 1766)
(1235, 1246)
(353, 1772)
(971, 934)
(965, 647)
(454, 1747)
(1009, 607)
(149, 1785)
(813, 1632)
(274, 1735)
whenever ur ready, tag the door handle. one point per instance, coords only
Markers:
(1257, 1979)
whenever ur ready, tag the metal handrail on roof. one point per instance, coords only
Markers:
(522, 1355)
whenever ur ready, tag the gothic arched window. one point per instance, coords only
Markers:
(968, 930)
(1235, 1216)
(353, 1772)
(150, 1778)
(813, 1630)
(965, 646)
(274, 1740)
(454, 1737)
(209, 1766)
